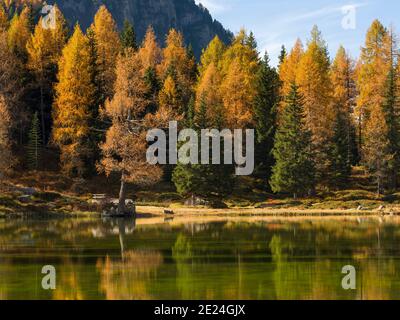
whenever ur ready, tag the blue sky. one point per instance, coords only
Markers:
(277, 22)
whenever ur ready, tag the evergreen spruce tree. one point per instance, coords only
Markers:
(340, 161)
(193, 68)
(251, 41)
(294, 169)
(265, 111)
(96, 123)
(191, 114)
(153, 89)
(282, 55)
(34, 148)
(200, 179)
(391, 109)
(128, 36)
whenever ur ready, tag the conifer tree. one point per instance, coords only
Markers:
(178, 65)
(282, 55)
(150, 53)
(193, 68)
(265, 113)
(212, 54)
(344, 149)
(294, 169)
(124, 151)
(71, 110)
(377, 105)
(44, 49)
(315, 85)
(35, 145)
(376, 151)
(340, 161)
(169, 98)
(94, 72)
(12, 85)
(289, 66)
(19, 33)
(208, 92)
(373, 69)
(391, 108)
(108, 48)
(128, 36)
(210, 79)
(203, 180)
(239, 67)
(59, 34)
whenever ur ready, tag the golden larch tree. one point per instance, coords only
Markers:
(212, 54)
(44, 50)
(315, 86)
(150, 53)
(372, 70)
(345, 152)
(170, 103)
(208, 92)
(19, 33)
(239, 67)
(11, 82)
(108, 47)
(376, 151)
(289, 67)
(178, 64)
(74, 96)
(343, 81)
(124, 150)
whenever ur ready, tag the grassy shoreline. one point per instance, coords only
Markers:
(182, 211)
(51, 194)
(287, 212)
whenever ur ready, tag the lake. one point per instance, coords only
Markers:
(200, 258)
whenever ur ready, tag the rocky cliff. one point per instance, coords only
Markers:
(193, 20)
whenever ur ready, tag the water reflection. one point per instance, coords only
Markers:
(217, 258)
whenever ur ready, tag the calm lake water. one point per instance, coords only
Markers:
(227, 258)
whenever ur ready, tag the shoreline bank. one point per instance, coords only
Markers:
(188, 212)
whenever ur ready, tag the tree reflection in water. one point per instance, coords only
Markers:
(224, 259)
(125, 278)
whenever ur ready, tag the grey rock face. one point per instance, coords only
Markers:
(196, 23)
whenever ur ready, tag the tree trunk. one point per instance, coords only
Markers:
(379, 186)
(122, 196)
(121, 229)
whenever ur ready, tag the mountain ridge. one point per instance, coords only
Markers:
(193, 20)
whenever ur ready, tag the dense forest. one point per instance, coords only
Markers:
(91, 96)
